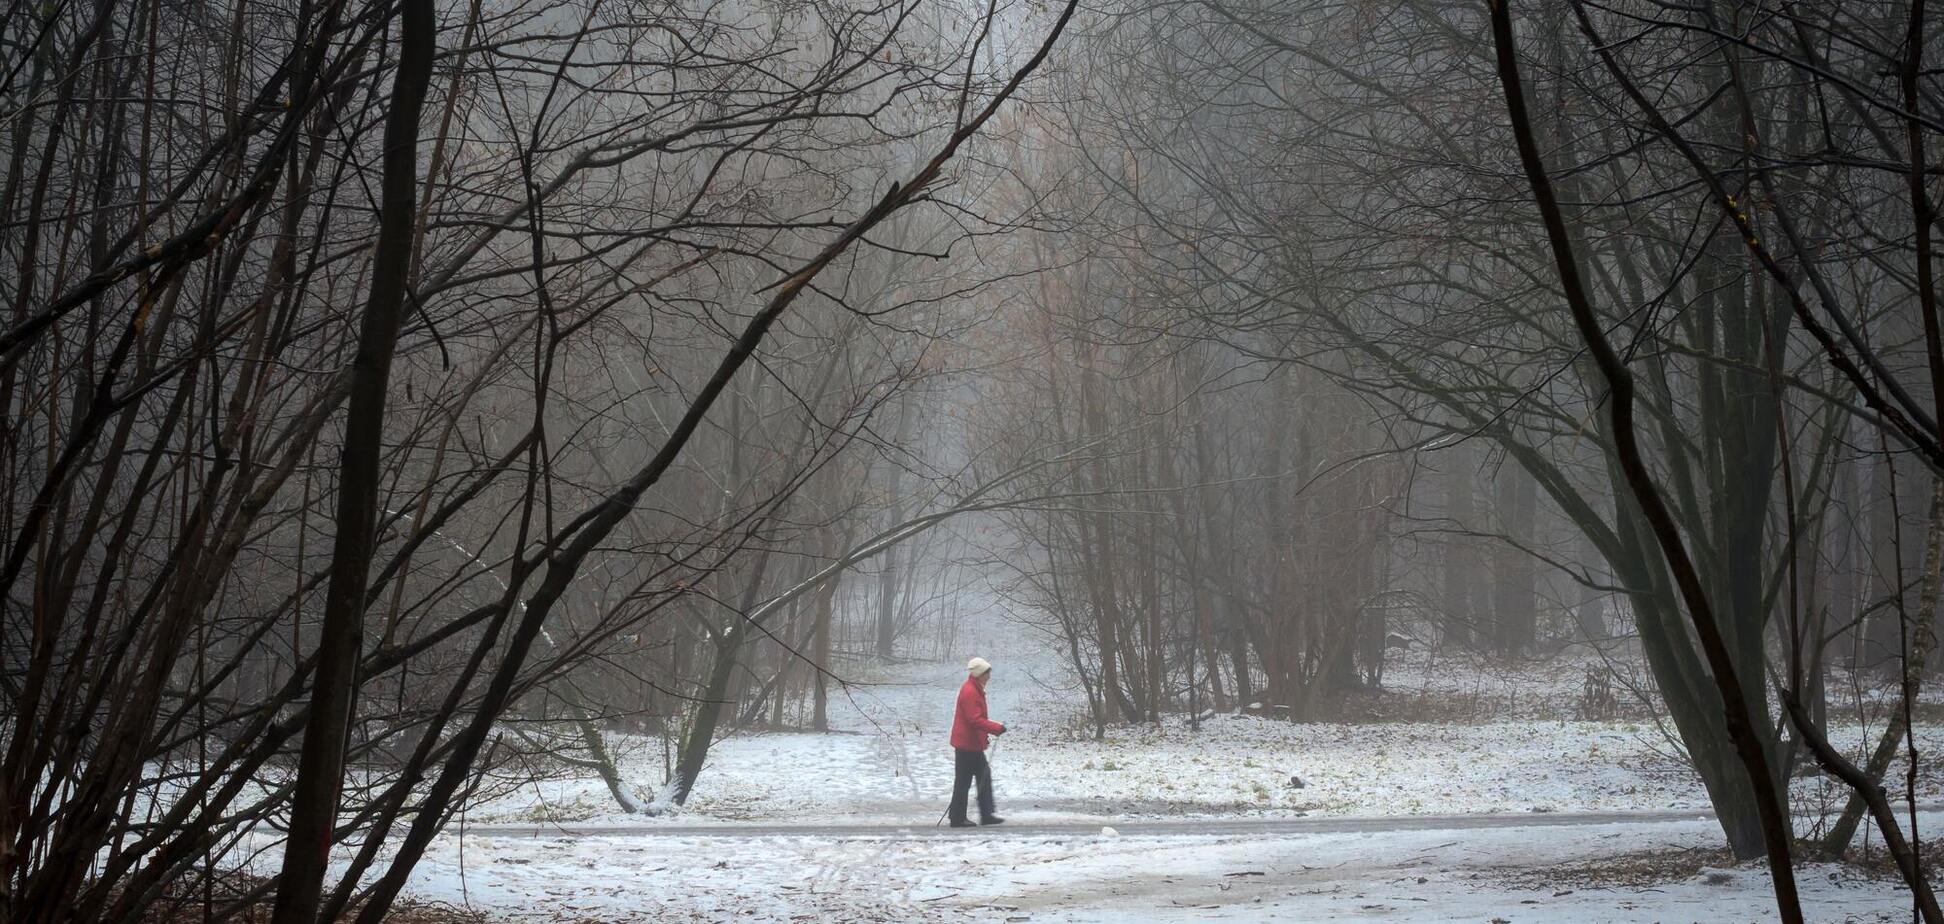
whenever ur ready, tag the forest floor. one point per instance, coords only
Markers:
(1468, 790)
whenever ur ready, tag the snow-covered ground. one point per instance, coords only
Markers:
(1498, 747)
(1515, 874)
(889, 758)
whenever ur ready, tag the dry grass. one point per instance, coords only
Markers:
(1637, 870)
(223, 892)
(1713, 865)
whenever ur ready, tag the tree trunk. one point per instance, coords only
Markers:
(320, 770)
(1100, 563)
(1737, 710)
(1460, 564)
(887, 612)
(714, 696)
(1515, 619)
(820, 714)
(1840, 544)
(1590, 612)
(1922, 640)
(1886, 562)
(887, 616)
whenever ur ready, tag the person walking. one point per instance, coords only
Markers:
(970, 726)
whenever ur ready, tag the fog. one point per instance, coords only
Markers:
(618, 461)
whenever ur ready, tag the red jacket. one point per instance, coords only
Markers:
(969, 723)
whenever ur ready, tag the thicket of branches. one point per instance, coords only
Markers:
(386, 384)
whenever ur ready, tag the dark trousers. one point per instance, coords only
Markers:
(966, 767)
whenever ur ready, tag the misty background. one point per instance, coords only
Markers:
(1213, 356)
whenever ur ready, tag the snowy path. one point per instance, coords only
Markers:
(1516, 868)
(1137, 827)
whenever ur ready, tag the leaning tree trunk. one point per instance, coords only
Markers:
(1734, 701)
(715, 692)
(708, 714)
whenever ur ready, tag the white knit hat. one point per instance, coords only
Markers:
(978, 667)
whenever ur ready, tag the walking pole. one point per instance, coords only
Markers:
(992, 750)
(947, 810)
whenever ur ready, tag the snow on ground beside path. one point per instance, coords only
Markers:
(1473, 875)
(891, 760)
(891, 763)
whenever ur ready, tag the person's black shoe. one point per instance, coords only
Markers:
(962, 823)
(991, 820)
